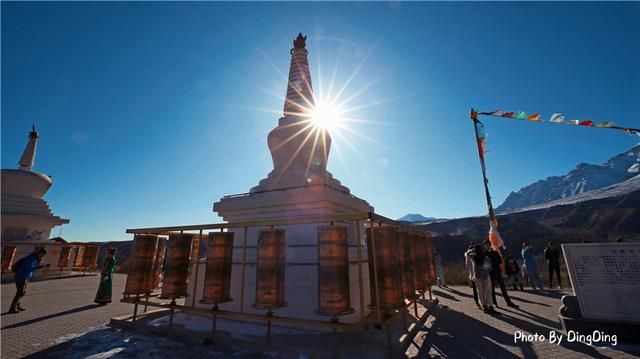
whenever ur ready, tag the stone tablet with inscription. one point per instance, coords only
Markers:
(605, 279)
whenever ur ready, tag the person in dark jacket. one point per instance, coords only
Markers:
(513, 272)
(496, 275)
(552, 254)
(23, 274)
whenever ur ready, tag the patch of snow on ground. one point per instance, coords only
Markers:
(107, 354)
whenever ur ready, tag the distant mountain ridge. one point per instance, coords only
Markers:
(584, 178)
(415, 217)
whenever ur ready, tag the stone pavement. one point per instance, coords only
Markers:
(62, 322)
(459, 330)
(55, 308)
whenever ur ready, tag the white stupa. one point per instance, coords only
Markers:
(298, 186)
(26, 216)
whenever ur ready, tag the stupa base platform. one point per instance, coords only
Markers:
(289, 337)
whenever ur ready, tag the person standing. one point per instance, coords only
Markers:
(496, 275)
(439, 270)
(552, 254)
(103, 297)
(513, 272)
(531, 266)
(481, 269)
(468, 263)
(24, 269)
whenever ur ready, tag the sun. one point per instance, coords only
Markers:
(325, 116)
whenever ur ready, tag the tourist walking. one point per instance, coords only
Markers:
(531, 266)
(512, 270)
(552, 254)
(481, 269)
(468, 263)
(24, 269)
(103, 297)
(496, 275)
(439, 270)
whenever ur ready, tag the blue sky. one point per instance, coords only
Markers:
(150, 112)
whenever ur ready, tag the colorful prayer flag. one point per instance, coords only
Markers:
(494, 237)
(557, 118)
(479, 129)
(521, 115)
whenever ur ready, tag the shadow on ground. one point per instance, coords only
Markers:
(114, 342)
(473, 338)
(46, 317)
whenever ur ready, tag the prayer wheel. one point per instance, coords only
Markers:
(195, 253)
(217, 277)
(418, 261)
(270, 269)
(8, 252)
(177, 266)
(333, 271)
(91, 256)
(406, 270)
(65, 254)
(80, 256)
(158, 263)
(139, 278)
(430, 260)
(387, 263)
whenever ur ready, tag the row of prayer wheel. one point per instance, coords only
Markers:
(402, 260)
(404, 263)
(8, 252)
(87, 256)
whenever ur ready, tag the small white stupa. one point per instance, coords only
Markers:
(26, 216)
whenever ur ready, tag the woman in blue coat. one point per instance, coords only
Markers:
(530, 266)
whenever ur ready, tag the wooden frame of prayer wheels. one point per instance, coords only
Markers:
(65, 254)
(143, 253)
(177, 266)
(406, 270)
(270, 269)
(387, 263)
(217, 277)
(80, 256)
(429, 260)
(91, 256)
(158, 263)
(333, 271)
(8, 252)
(418, 262)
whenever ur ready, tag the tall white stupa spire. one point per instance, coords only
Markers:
(29, 155)
(299, 98)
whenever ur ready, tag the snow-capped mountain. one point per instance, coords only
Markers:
(584, 178)
(415, 217)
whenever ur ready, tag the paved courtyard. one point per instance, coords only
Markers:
(62, 322)
(56, 310)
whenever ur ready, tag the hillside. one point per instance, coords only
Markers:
(600, 219)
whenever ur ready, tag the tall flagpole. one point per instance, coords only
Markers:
(480, 143)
